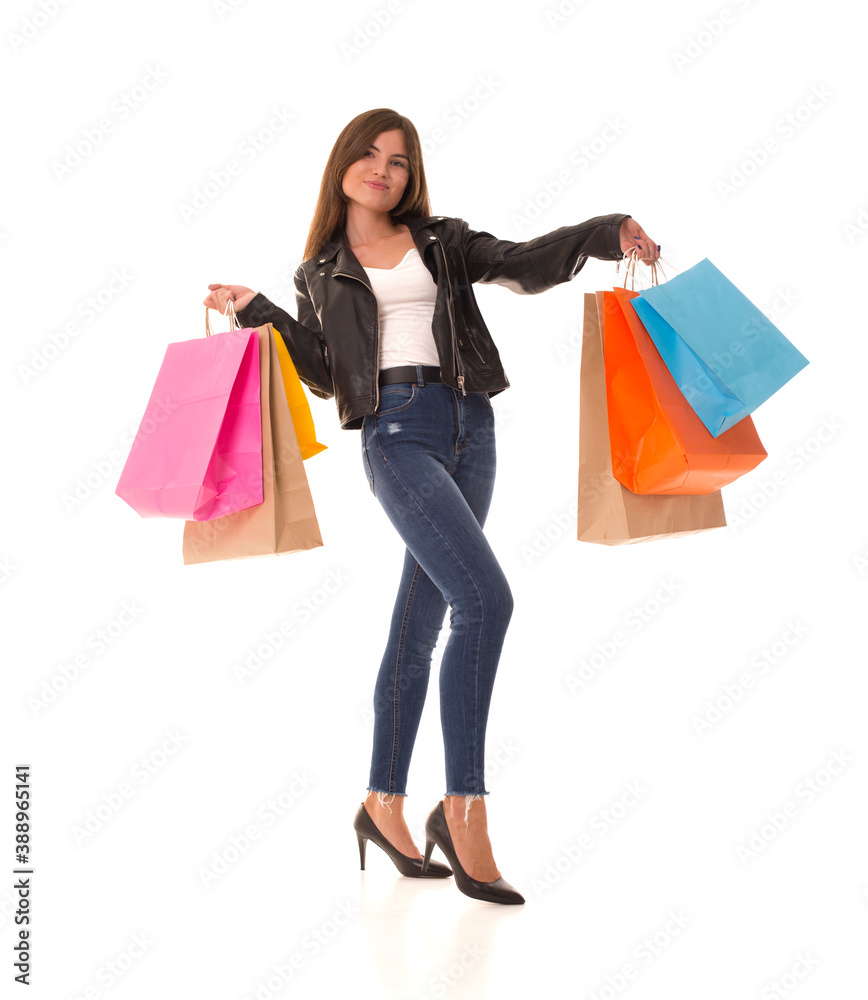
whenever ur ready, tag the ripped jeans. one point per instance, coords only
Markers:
(429, 454)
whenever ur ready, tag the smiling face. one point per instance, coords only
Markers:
(377, 180)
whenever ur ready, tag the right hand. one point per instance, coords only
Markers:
(636, 241)
(219, 295)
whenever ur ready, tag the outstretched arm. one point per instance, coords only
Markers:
(534, 265)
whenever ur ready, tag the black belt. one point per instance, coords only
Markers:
(409, 373)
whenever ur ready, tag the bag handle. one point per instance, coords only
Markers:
(631, 261)
(233, 319)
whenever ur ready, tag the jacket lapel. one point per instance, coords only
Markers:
(346, 262)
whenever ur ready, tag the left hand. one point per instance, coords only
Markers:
(634, 238)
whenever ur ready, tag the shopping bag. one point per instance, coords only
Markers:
(608, 513)
(658, 443)
(299, 407)
(285, 521)
(726, 356)
(198, 450)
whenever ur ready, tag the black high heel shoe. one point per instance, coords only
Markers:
(437, 832)
(367, 830)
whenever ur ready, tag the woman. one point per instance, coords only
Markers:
(389, 326)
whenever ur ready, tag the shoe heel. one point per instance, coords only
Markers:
(498, 891)
(429, 847)
(366, 830)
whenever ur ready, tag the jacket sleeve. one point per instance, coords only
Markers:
(545, 261)
(303, 337)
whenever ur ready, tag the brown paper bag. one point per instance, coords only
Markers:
(285, 521)
(608, 512)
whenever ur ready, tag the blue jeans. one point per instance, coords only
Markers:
(429, 454)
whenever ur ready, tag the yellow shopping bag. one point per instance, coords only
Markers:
(299, 407)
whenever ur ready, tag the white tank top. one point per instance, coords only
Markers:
(406, 294)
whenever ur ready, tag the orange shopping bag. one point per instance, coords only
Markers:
(299, 408)
(658, 443)
(608, 513)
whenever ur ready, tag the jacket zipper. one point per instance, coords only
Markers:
(345, 274)
(459, 377)
(470, 341)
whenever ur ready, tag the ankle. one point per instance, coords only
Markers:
(465, 808)
(385, 803)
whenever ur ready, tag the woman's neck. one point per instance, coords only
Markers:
(365, 228)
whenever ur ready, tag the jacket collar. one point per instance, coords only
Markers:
(338, 248)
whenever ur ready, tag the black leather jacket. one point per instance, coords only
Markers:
(334, 344)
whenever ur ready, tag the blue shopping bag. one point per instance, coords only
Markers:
(726, 356)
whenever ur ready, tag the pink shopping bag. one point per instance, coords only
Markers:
(198, 451)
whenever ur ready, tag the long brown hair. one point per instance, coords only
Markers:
(330, 215)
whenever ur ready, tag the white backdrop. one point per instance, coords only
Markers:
(191, 828)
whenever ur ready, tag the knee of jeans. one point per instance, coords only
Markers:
(499, 599)
(506, 601)
(482, 603)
